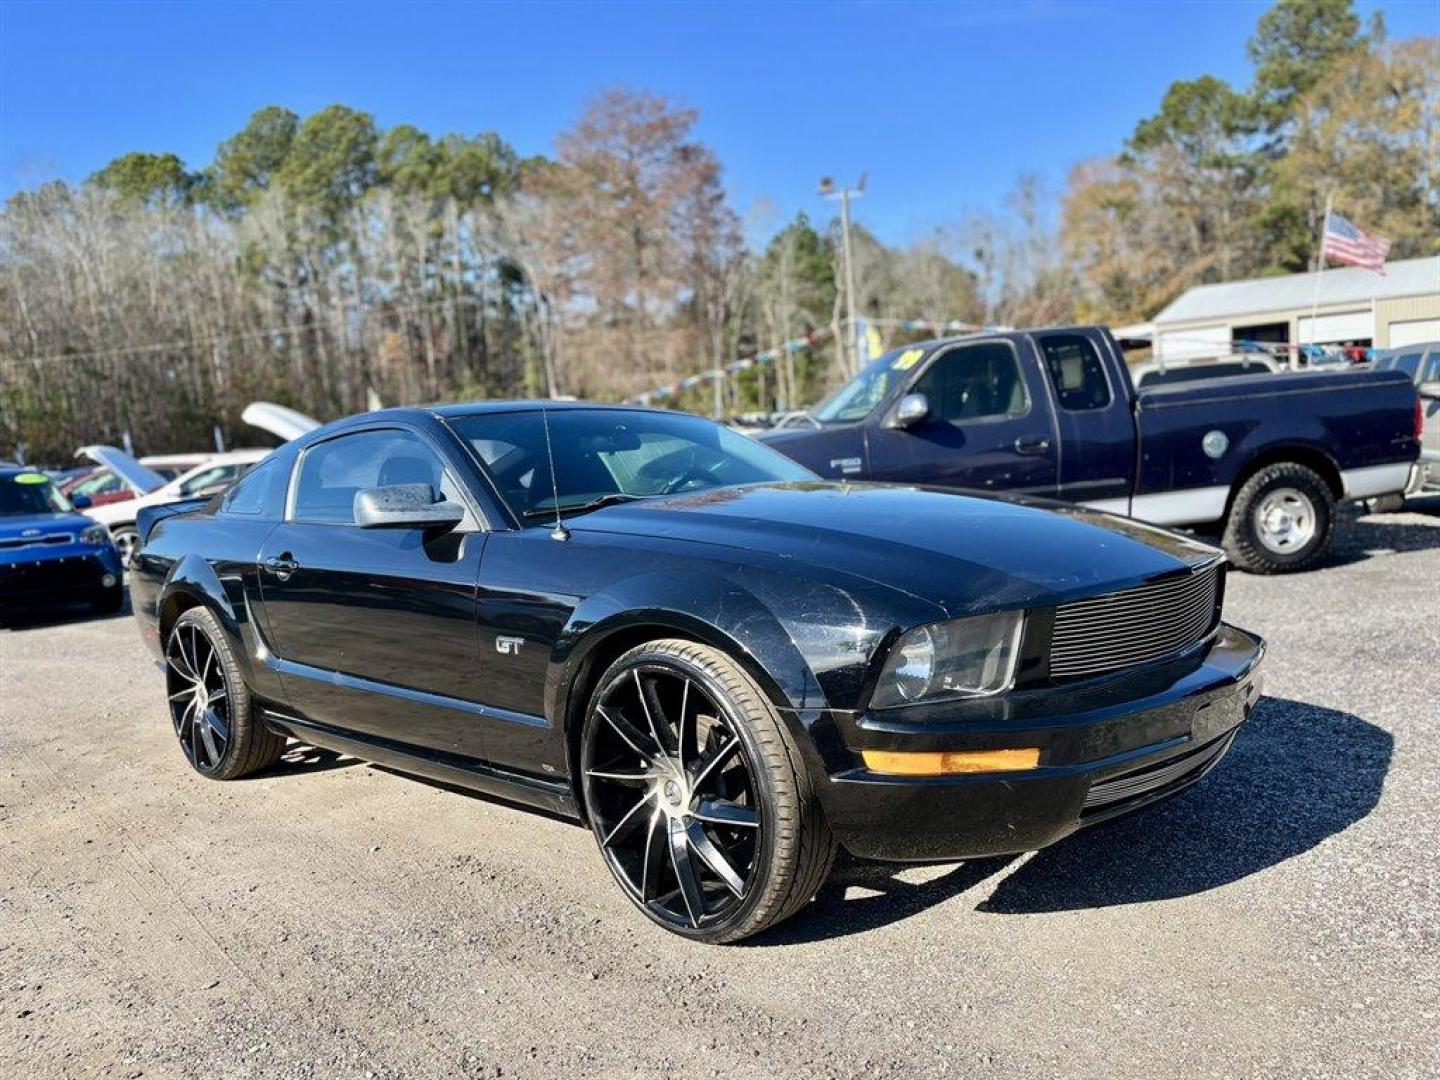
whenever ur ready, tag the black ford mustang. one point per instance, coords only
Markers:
(724, 665)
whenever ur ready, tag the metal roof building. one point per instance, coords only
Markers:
(1350, 305)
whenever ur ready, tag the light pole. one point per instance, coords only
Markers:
(845, 194)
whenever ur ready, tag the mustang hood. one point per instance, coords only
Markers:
(965, 553)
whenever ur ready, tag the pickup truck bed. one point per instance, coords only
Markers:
(1053, 413)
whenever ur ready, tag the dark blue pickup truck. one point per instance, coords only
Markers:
(1053, 413)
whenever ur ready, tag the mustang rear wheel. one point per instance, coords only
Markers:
(210, 705)
(697, 795)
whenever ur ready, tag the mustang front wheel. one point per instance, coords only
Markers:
(697, 795)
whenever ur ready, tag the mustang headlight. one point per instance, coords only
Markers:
(962, 658)
(95, 534)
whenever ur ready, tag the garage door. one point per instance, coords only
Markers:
(1330, 329)
(1414, 331)
(1197, 341)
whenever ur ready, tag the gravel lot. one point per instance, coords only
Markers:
(334, 919)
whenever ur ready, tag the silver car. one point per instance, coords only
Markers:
(1422, 363)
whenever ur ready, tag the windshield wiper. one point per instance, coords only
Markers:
(581, 508)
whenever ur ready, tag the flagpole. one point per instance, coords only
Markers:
(1320, 264)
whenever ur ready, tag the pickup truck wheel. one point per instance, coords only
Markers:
(1282, 519)
(210, 706)
(698, 797)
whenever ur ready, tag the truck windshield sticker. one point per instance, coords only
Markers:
(908, 359)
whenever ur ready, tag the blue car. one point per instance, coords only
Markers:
(50, 554)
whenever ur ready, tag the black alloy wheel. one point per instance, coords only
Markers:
(693, 795)
(199, 697)
(210, 704)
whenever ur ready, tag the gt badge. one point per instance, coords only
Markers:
(510, 646)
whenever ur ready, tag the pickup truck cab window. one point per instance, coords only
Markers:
(1076, 372)
(858, 397)
(975, 382)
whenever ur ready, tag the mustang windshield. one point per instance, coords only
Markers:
(856, 399)
(604, 456)
(30, 493)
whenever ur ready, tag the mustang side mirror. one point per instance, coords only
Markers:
(405, 506)
(1430, 389)
(910, 411)
(81, 502)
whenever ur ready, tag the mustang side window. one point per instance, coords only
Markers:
(974, 382)
(333, 472)
(1075, 372)
(210, 478)
(254, 493)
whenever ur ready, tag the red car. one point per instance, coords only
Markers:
(102, 485)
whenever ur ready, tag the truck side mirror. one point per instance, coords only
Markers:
(912, 409)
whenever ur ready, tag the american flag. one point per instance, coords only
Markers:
(1344, 243)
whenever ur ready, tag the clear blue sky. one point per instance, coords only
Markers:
(944, 104)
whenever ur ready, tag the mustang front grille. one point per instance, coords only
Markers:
(1187, 768)
(1102, 633)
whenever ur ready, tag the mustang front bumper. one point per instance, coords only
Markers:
(1107, 746)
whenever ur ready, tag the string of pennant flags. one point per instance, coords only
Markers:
(745, 363)
(871, 347)
(866, 333)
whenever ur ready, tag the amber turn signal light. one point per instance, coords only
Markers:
(947, 762)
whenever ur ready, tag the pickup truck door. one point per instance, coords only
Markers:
(1092, 394)
(990, 425)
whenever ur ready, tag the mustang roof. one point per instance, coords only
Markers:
(471, 408)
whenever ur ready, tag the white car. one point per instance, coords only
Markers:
(1152, 373)
(214, 475)
(204, 474)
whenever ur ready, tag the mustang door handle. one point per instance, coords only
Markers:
(1032, 444)
(282, 566)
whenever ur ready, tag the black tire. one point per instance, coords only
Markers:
(1259, 549)
(108, 601)
(237, 743)
(787, 856)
